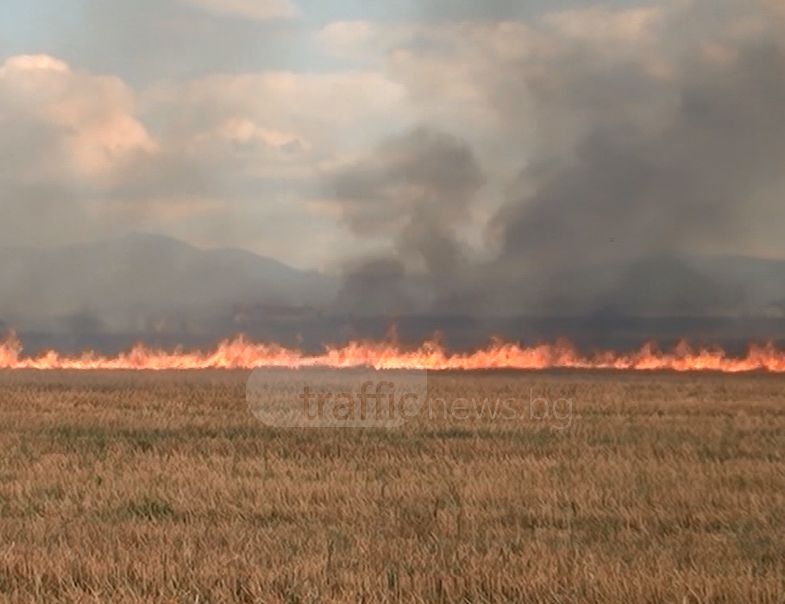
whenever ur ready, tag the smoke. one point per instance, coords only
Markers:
(587, 161)
(645, 145)
(633, 190)
(415, 189)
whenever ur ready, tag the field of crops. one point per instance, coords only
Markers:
(143, 487)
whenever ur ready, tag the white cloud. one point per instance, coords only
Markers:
(602, 25)
(85, 124)
(261, 10)
(244, 131)
(316, 115)
(349, 38)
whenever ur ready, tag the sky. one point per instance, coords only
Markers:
(454, 138)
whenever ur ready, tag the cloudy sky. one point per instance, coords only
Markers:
(501, 133)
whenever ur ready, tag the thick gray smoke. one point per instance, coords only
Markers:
(415, 189)
(570, 160)
(630, 194)
(640, 164)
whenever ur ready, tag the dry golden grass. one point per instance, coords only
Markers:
(164, 488)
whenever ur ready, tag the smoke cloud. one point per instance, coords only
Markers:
(415, 189)
(632, 191)
(644, 148)
(568, 159)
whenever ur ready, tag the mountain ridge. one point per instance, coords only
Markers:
(144, 283)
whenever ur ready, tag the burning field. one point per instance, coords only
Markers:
(486, 176)
(539, 473)
(163, 487)
(240, 353)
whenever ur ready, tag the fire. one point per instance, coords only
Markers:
(240, 353)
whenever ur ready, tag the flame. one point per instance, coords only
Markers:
(240, 353)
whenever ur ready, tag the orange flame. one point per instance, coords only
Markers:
(243, 354)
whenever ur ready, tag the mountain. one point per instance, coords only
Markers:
(144, 282)
(657, 286)
(112, 293)
(760, 283)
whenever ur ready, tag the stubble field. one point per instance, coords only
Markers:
(165, 488)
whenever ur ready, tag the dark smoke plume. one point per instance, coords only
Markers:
(640, 164)
(415, 189)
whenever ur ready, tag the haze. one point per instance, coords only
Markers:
(176, 166)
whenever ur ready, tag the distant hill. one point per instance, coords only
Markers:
(658, 286)
(132, 283)
(703, 286)
(163, 290)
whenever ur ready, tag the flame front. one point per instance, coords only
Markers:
(240, 353)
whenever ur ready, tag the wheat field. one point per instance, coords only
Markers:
(165, 488)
